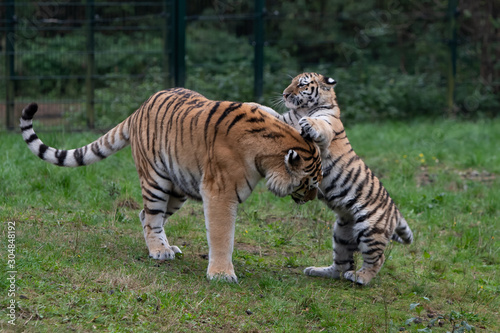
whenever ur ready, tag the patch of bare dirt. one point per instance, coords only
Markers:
(424, 178)
(254, 249)
(428, 176)
(479, 176)
(128, 203)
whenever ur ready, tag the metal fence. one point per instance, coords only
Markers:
(68, 49)
(89, 63)
(61, 53)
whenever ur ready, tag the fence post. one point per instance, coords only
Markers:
(9, 65)
(259, 49)
(89, 79)
(452, 66)
(177, 43)
(168, 79)
(180, 43)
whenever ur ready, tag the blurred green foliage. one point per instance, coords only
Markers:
(390, 58)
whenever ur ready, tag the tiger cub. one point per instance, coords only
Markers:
(367, 218)
(186, 146)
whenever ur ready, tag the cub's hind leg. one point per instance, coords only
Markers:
(160, 201)
(343, 253)
(372, 246)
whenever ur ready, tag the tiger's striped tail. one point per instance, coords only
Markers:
(403, 233)
(108, 144)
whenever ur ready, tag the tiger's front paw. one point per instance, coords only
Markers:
(161, 251)
(308, 130)
(221, 273)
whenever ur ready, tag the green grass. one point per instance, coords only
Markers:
(83, 265)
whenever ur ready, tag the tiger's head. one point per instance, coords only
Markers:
(311, 91)
(302, 178)
(307, 190)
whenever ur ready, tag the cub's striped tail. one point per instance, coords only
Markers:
(403, 233)
(108, 144)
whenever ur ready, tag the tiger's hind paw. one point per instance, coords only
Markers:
(328, 272)
(360, 277)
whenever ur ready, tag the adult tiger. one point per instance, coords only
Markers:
(367, 218)
(185, 145)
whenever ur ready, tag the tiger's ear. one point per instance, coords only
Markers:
(292, 159)
(329, 81)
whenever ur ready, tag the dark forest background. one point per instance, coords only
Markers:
(393, 59)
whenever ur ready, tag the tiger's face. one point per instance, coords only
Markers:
(310, 90)
(302, 177)
(307, 190)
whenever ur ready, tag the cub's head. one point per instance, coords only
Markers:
(309, 91)
(301, 177)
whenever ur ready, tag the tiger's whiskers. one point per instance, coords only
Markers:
(278, 103)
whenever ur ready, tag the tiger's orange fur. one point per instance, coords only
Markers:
(186, 146)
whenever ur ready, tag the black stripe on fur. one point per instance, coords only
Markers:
(29, 111)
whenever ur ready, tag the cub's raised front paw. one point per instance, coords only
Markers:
(308, 130)
(264, 108)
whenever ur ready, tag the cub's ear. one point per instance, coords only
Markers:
(292, 159)
(329, 81)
